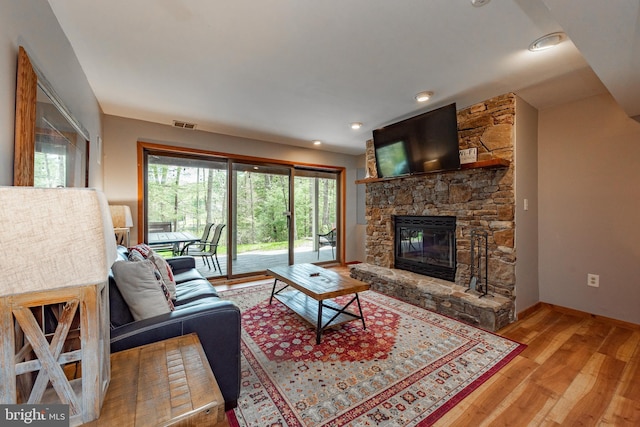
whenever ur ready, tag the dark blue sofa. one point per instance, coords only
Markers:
(197, 309)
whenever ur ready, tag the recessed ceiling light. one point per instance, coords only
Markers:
(479, 3)
(547, 42)
(316, 142)
(423, 96)
(356, 125)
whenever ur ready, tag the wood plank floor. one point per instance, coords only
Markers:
(578, 370)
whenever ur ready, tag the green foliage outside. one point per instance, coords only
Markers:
(189, 197)
(50, 170)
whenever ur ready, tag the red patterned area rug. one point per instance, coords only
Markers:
(408, 368)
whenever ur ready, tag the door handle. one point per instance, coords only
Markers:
(288, 215)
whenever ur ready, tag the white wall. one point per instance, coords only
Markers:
(526, 188)
(589, 193)
(120, 162)
(33, 25)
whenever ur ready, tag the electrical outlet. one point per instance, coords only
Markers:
(593, 280)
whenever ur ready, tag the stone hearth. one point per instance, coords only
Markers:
(489, 312)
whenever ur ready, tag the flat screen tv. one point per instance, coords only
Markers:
(424, 143)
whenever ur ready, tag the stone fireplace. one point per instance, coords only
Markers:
(476, 197)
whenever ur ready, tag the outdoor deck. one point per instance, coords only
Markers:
(256, 261)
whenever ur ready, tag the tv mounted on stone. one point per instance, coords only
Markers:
(421, 144)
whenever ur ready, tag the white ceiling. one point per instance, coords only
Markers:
(291, 71)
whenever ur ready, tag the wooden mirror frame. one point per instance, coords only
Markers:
(29, 79)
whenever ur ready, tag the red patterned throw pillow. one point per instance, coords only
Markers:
(140, 249)
(142, 252)
(165, 271)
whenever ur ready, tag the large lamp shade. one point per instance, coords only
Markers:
(122, 222)
(58, 237)
(121, 216)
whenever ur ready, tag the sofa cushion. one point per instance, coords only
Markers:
(119, 313)
(187, 276)
(142, 288)
(181, 264)
(193, 290)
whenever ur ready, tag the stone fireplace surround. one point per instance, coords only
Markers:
(479, 198)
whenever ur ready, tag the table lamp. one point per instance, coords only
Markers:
(54, 297)
(122, 222)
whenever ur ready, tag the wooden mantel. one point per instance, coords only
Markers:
(484, 164)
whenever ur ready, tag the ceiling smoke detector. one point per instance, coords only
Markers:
(184, 125)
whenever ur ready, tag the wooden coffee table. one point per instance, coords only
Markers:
(311, 282)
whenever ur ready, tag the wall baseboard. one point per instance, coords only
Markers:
(529, 311)
(571, 311)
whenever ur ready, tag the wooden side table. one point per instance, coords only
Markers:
(168, 383)
(26, 346)
(122, 235)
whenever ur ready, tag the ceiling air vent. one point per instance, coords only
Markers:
(184, 125)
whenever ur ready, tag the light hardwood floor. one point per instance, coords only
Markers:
(578, 370)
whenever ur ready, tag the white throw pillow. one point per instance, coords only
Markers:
(141, 288)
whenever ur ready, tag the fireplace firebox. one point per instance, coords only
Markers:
(426, 245)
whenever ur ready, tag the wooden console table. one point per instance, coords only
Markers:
(168, 383)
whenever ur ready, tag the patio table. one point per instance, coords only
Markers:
(177, 239)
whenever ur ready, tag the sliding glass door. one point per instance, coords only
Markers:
(316, 216)
(183, 194)
(260, 236)
(271, 214)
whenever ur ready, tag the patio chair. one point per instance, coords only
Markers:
(199, 245)
(210, 249)
(327, 239)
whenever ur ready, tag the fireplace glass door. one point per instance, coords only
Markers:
(426, 245)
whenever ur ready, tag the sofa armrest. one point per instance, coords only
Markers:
(217, 324)
(181, 263)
